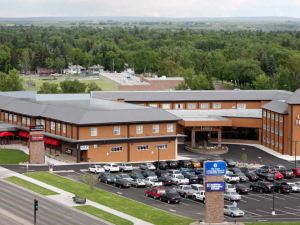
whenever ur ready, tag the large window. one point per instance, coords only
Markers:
(94, 131)
(155, 128)
(154, 105)
(161, 146)
(24, 120)
(170, 127)
(204, 106)
(52, 125)
(10, 117)
(28, 121)
(117, 130)
(58, 127)
(191, 106)
(117, 149)
(139, 129)
(241, 106)
(178, 106)
(15, 118)
(142, 147)
(217, 106)
(166, 106)
(64, 128)
(6, 116)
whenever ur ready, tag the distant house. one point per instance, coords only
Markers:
(45, 71)
(96, 69)
(74, 69)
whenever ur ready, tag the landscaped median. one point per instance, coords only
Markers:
(12, 156)
(28, 185)
(125, 205)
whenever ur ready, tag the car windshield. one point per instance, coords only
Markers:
(114, 165)
(180, 176)
(124, 176)
(233, 208)
(196, 188)
(153, 179)
(126, 165)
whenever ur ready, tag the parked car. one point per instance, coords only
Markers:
(79, 200)
(241, 189)
(262, 186)
(107, 178)
(296, 171)
(162, 165)
(250, 173)
(165, 179)
(279, 167)
(277, 175)
(200, 196)
(153, 182)
(242, 176)
(197, 187)
(183, 169)
(282, 187)
(125, 167)
(230, 187)
(147, 166)
(185, 164)
(193, 178)
(230, 210)
(264, 175)
(138, 183)
(111, 167)
(136, 175)
(232, 196)
(230, 163)
(178, 179)
(96, 169)
(195, 163)
(154, 192)
(172, 171)
(230, 177)
(170, 196)
(266, 168)
(148, 173)
(294, 187)
(288, 174)
(124, 176)
(185, 190)
(198, 171)
(172, 164)
(122, 182)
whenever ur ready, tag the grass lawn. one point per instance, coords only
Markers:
(12, 156)
(104, 215)
(33, 83)
(274, 223)
(128, 206)
(28, 185)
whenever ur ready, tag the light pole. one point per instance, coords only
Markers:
(158, 158)
(273, 211)
(296, 153)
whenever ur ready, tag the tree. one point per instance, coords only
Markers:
(287, 80)
(5, 54)
(262, 82)
(25, 60)
(195, 81)
(90, 180)
(56, 63)
(11, 81)
(48, 88)
(72, 86)
(93, 87)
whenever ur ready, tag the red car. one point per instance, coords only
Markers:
(278, 175)
(155, 192)
(296, 171)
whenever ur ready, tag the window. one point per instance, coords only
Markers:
(191, 106)
(276, 131)
(28, 121)
(280, 133)
(52, 125)
(95, 146)
(142, 147)
(178, 106)
(272, 142)
(117, 149)
(155, 128)
(166, 106)
(15, 118)
(217, 106)
(10, 117)
(24, 120)
(264, 139)
(6, 116)
(117, 130)
(268, 115)
(64, 128)
(280, 146)
(272, 116)
(139, 129)
(204, 106)
(264, 126)
(241, 106)
(161, 146)
(38, 122)
(272, 129)
(268, 128)
(264, 113)
(281, 119)
(276, 144)
(94, 131)
(276, 117)
(268, 140)
(58, 127)
(154, 105)
(170, 127)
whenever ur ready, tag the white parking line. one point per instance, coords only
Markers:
(260, 196)
(280, 210)
(254, 199)
(290, 197)
(120, 193)
(298, 210)
(172, 210)
(294, 194)
(248, 212)
(243, 201)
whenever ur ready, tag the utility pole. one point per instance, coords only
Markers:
(35, 209)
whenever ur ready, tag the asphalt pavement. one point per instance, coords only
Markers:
(20, 203)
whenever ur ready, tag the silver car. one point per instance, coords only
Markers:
(138, 183)
(233, 211)
(185, 190)
(232, 196)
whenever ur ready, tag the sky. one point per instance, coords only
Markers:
(149, 8)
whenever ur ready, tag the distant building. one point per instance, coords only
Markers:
(45, 71)
(96, 69)
(74, 69)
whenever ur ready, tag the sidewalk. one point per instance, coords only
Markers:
(65, 198)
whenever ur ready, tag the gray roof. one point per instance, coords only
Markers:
(277, 106)
(86, 112)
(295, 98)
(223, 95)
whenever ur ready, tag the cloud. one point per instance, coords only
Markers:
(158, 8)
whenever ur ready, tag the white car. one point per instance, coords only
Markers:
(231, 177)
(153, 182)
(230, 187)
(232, 196)
(96, 169)
(294, 186)
(147, 166)
(233, 211)
(172, 171)
(111, 167)
(138, 183)
(125, 167)
(185, 190)
(179, 179)
(197, 187)
(200, 196)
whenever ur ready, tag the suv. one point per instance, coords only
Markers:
(162, 165)
(200, 196)
(231, 178)
(193, 178)
(170, 196)
(107, 178)
(262, 186)
(173, 164)
(96, 169)
(185, 163)
(282, 187)
(179, 179)
(262, 174)
(185, 190)
(125, 167)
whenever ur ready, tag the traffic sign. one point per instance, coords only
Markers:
(217, 168)
(214, 186)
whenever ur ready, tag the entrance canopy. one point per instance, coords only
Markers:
(6, 134)
(23, 134)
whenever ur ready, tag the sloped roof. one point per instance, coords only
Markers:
(277, 106)
(294, 98)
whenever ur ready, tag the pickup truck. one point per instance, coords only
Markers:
(153, 182)
(200, 196)
(179, 179)
(96, 169)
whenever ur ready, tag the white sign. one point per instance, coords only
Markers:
(84, 147)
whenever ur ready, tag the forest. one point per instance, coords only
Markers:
(247, 59)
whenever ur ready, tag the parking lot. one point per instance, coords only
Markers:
(257, 206)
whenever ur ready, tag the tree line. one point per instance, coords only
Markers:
(247, 59)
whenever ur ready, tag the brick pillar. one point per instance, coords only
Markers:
(219, 137)
(36, 147)
(193, 137)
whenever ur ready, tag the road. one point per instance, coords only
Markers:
(20, 203)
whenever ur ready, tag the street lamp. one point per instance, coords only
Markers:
(158, 157)
(296, 153)
(273, 210)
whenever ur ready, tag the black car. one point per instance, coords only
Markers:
(262, 186)
(185, 164)
(162, 165)
(79, 200)
(198, 171)
(252, 176)
(267, 168)
(230, 163)
(262, 175)
(107, 178)
(288, 174)
(193, 178)
(241, 189)
(122, 182)
(282, 187)
(242, 176)
(165, 179)
(148, 173)
(172, 164)
(136, 175)
(170, 196)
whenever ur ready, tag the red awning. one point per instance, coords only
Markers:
(23, 134)
(50, 141)
(6, 134)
